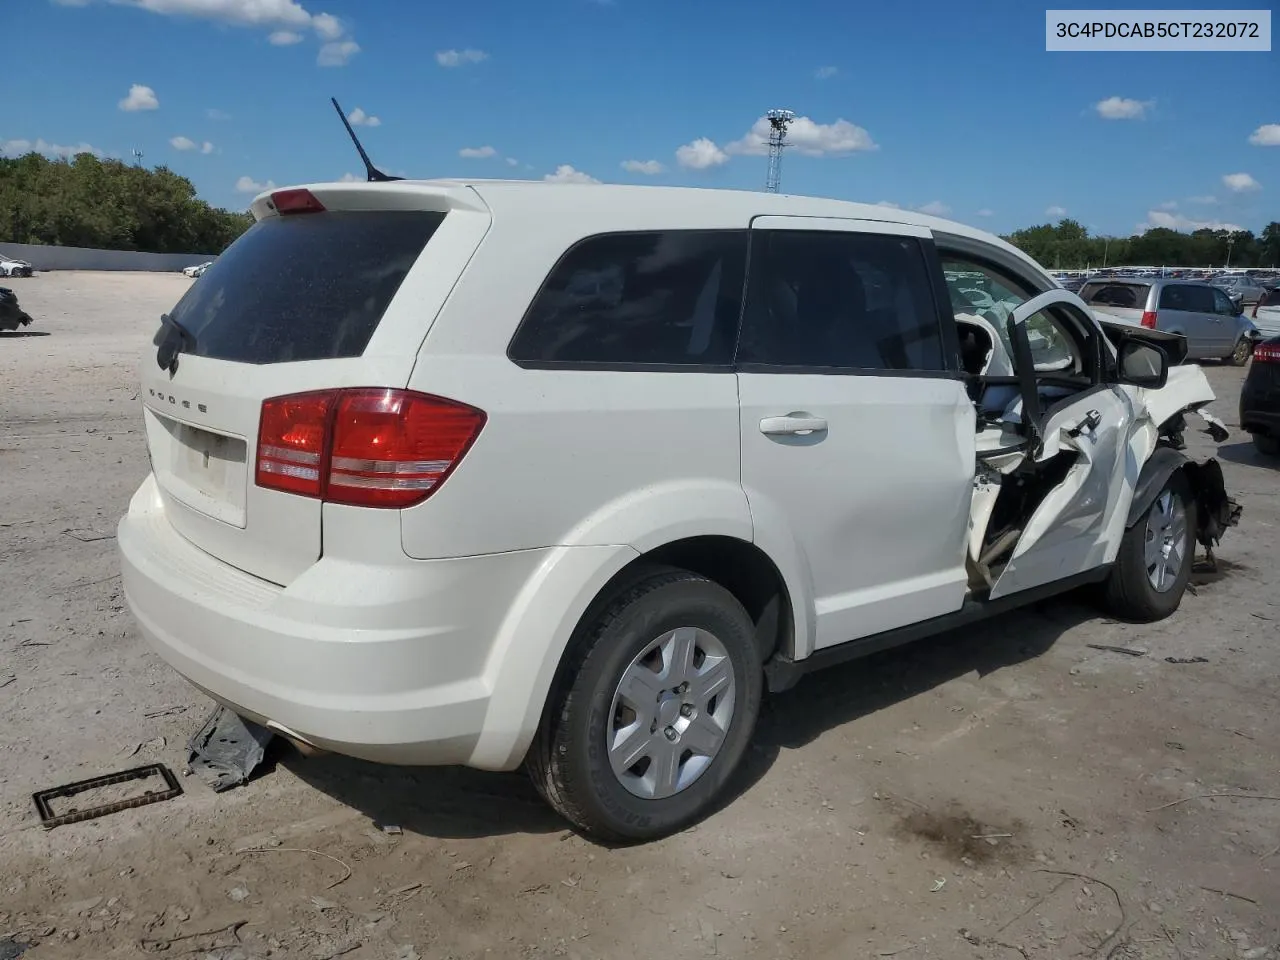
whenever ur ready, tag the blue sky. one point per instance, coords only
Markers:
(951, 107)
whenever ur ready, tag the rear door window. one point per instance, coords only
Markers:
(840, 300)
(668, 298)
(308, 286)
(1124, 295)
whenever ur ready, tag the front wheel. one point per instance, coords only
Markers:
(1241, 354)
(1266, 444)
(655, 711)
(1154, 562)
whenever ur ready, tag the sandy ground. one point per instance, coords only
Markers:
(1000, 792)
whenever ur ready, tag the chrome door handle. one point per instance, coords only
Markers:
(792, 425)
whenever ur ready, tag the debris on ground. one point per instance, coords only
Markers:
(227, 749)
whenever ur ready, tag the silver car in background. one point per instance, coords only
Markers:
(1215, 327)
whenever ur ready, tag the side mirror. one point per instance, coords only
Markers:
(1143, 364)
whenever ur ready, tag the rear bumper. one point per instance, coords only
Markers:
(1260, 414)
(390, 663)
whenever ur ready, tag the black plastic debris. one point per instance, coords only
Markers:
(227, 749)
(10, 949)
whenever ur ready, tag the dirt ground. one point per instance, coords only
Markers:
(999, 792)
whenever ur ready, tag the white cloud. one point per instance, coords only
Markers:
(458, 58)
(350, 178)
(1208, 198)
(477, 153)
(284, 18)
(701, 154)
(1056, 211)
(649, 168)
(1240, 182)
(825, 73)
(337, 53)
(935, 208)
(359, 118)
(213, 113)
(512, 162)
(16, 148)
(250, 185)
(1169, 205)
(986, 212)
(1267, 135)
(889, 203)
(140, 98)
(251, 13)
(807, 137)
(1122, 108)
(566, 174)
(1176, 221)
(327, 26)
(186, 144)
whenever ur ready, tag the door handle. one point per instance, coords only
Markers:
(792, 425)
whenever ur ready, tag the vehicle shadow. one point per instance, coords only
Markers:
(15, 334)
(454, 802)
(1245, 452)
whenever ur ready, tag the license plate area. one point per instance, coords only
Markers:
(203, 469)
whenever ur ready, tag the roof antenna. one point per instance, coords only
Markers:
(374, 174)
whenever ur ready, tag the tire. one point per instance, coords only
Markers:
(1270, 446)
(1242, 352)
(1129, 592)
(570, 761)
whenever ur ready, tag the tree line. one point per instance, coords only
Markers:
(109, 205)
(1068, 246)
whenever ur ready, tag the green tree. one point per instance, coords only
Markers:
(106, 204)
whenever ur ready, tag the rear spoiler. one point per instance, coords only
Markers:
(1173, 344)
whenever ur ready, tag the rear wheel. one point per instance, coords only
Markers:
(1154, 562)
(655, 712)
(1266, 444)
(1241, 354)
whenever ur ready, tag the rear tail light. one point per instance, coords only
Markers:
(366, 447)
(1149, 319)
(1266, 353)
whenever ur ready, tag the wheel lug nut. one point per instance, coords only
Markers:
(671, 733)
(686, 710)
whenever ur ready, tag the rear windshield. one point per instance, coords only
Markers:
(303, 287)
(1126, 295)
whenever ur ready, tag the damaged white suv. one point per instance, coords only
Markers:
(497, 473)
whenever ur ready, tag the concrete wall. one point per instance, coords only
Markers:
(79, 258)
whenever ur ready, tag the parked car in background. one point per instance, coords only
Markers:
(198, 270)
(1215, 328)
(1247, 288)
(406, 499)
(12, 316)
(1260, 397)
(1266, 314)
(9, 267)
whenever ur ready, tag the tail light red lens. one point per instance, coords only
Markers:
(366, 447)
(1266, 353)
(292, 436)
(1149, 319)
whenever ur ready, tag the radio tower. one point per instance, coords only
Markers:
(779, 120)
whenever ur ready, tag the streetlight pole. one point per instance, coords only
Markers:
(1106, 244)
(1230, 243)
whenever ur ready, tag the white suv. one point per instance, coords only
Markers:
(493, 473)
